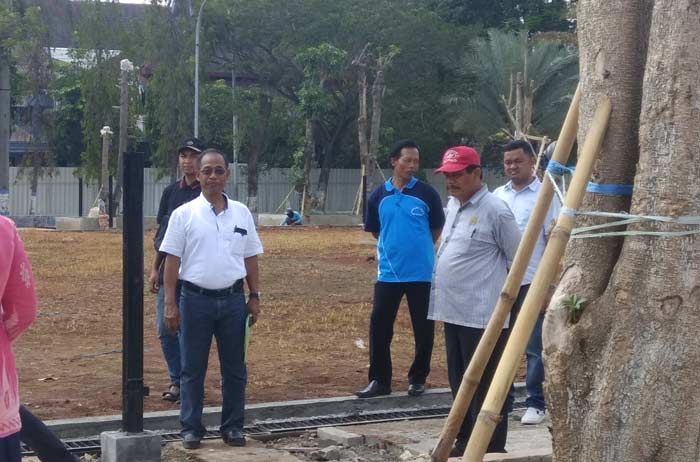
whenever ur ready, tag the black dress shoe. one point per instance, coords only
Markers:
(458, 448)
(373, 389)
(416, 389)
(233, 438)
(190, 441)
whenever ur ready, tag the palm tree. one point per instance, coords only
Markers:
(523, 85)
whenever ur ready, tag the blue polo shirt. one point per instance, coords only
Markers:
(405, 220)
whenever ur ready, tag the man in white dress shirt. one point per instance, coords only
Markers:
(520, 193)
(211, 246)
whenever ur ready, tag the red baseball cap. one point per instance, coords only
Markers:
(458, 158)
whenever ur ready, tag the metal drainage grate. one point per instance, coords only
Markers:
(92, 446)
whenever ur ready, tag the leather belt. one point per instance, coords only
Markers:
(236, 288)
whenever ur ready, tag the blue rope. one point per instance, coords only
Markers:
(555, 168)
(609, 189)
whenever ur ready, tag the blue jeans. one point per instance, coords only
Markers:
(169, 342)
(202, 317)
(535, 368)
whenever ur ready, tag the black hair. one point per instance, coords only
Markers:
(519, 144)
(471, 168)
(211, 151)
(395, 151)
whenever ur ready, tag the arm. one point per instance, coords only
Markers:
(253, 280)
(172, 312)
(436, 215)
(158, 260)
(19, 297)
(508, 235)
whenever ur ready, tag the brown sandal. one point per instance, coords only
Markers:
(172, 394)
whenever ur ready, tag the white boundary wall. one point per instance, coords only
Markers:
(57, 195)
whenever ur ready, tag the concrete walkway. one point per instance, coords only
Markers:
(407, 440)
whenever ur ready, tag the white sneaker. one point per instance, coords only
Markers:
(533, 416)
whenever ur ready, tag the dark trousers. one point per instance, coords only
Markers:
(201, 318)
(41, 440)
(461, 342)
(387, 298)
(10, 449)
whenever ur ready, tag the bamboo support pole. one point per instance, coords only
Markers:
(475, 370)
(286, 198)
(543, 143)
(546, 272)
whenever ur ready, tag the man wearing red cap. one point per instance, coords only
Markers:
(479, 241)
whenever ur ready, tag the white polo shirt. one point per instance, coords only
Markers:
(211, 247)
(522, 203)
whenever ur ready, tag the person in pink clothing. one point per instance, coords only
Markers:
(17, 311)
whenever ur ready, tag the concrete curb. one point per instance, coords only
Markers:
(170, 420)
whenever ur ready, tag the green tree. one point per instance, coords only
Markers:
(169, 48)
(101, 33)
(66, 136)
(533, 15)
(506, 65)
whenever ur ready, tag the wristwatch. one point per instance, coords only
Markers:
(255, 295)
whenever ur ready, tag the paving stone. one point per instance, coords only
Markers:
(340, 436)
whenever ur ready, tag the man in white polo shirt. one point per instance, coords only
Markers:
(520, 193)
(211, 246)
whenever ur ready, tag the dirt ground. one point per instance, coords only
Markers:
(311, 340)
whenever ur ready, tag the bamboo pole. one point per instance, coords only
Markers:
(544, 142)
(286, 198)
(546, 272)
(303, 202)
(475, 370)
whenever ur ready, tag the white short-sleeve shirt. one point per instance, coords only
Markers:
(212, 247)
(521, 203)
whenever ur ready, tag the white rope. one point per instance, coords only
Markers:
(624, 220)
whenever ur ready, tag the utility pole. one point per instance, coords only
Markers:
(4, 132)
(126, 67)
(106, 134)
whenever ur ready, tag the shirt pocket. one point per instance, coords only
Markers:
(234, 243)
(482, 240)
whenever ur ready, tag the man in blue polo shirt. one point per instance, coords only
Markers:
(405, 215)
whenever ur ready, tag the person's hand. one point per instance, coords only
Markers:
(253, 308)
(172, 316)
(153, 284)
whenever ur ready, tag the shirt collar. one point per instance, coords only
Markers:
(194, 185)
(533, 186)
(206, 203)
(474, 200)
(389, 186)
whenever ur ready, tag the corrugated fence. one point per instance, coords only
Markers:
(57, 195)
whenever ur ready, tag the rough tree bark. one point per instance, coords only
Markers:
(256, 148)
(621, 383)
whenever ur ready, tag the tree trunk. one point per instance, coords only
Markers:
(309, 155)
(329, 151)
(264, 111)
(4, 132)
(621, 383)
(362, 130)
(378, 89)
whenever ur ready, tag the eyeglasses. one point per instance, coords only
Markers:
(218, 171)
